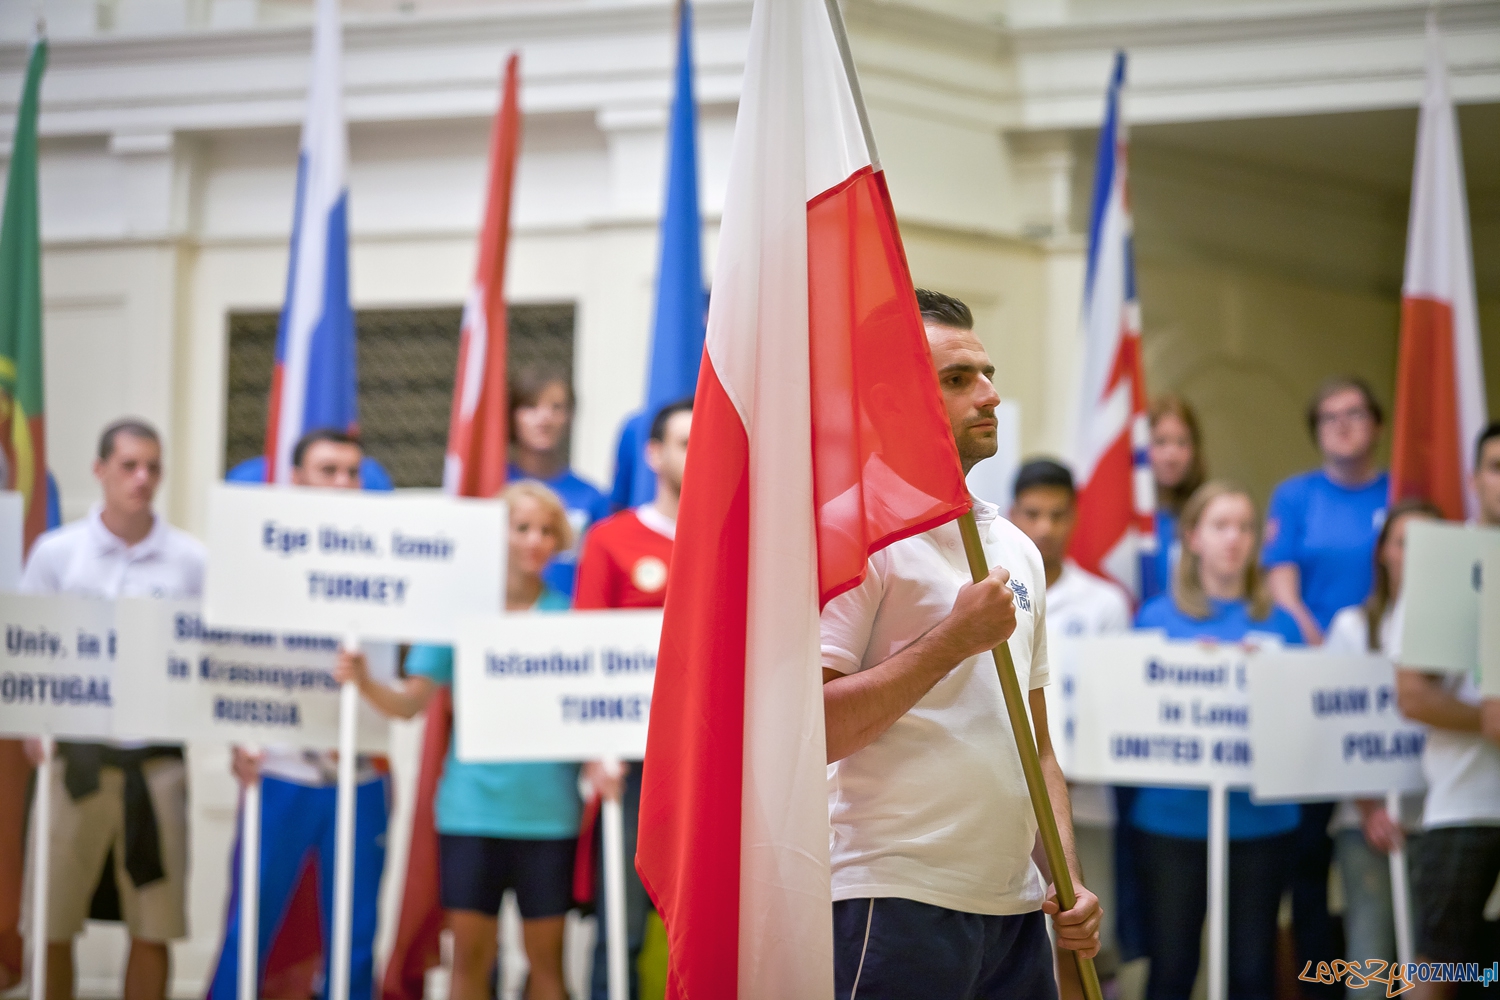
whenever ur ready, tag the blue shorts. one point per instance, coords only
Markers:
(898, 949)
(476, 871)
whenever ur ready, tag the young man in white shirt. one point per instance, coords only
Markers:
(119, 811)
(936, 895)
(1457, 860)
(299, 797)
(1078, 604)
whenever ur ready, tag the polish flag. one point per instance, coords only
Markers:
(1116, 492)
(818, 437)
(1440, 404)
(474, 466)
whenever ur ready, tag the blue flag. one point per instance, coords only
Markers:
(681, 304)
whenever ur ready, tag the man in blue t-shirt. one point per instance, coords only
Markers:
(1321, 530)
(1319, 558)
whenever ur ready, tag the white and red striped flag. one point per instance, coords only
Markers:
(474, 466)
(1440, 405)
(818, 437)
(1116, 494)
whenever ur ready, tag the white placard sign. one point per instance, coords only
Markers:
(404, 568)
(57, 668)
(1325, 726)
(541, 686)
(12, 538)
(1151, 711)
(1489, 626)
(1440, 595)
(182, 681)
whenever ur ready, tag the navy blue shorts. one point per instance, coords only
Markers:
(476, 871)
(899, 949)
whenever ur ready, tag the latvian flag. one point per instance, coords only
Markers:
(1116, 494)
(1440, 405)
(818, 437)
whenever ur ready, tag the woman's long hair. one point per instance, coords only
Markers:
(1172, 405)
(1187, 584)
(1382, 594)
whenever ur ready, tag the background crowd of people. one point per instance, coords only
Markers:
(1322, 567)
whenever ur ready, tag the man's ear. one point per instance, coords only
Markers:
(99, 469)
(653, 455)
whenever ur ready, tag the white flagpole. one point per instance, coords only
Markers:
(249, 944)
(41, 860)
(614, 877)
(1400, 889)
(343, 868)
(1218, 895)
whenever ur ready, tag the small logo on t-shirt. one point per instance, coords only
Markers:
(649, 574)
(1023, 597)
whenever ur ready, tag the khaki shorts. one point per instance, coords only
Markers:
(89, 831)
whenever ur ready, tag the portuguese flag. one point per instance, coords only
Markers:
(22, 440)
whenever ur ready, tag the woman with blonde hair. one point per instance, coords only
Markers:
(1218, 595)
(500, 826)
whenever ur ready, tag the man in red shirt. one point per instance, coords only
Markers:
(624, 565)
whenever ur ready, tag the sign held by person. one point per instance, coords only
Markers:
(538, 686)
(1326, 726)
(182, 680)
(1441, 596)
(58, 667)
(404, 568)
(1151, 711)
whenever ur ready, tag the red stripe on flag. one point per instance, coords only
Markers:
(885, 466)
(1106, 507)
(1427, 451)
(689, 847)
(273, 422)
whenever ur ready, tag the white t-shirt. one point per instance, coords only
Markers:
(1079, 604)
(1349, 634)
(84, 557)
(936, 808)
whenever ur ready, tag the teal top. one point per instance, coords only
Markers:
(520, 801)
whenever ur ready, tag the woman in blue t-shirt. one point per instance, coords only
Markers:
(500, 826)
(1217, 596)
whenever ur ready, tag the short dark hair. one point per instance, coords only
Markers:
(332, 435)
(1487, 435)
(664, 416)
(944, 310)
(133, 426)
(1044, 472)
(1335, 385)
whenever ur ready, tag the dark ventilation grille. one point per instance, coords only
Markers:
(406, 363)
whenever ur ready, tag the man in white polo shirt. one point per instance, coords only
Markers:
(1456, 863)
(936, 895)
(1045, 507)
(119, 811)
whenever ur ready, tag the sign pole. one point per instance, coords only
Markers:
(1400, 889)
(1218, 897)
(41, 860)
(1031, 765)
(614, 877)
(249, 943)
(343, 869)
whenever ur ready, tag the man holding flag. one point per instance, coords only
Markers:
(818, 440)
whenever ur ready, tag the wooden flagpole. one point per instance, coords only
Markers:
(1031, 764)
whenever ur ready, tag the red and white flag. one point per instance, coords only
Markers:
(473, 467)
(818, 437)
(1440, 405)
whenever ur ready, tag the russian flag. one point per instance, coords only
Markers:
(1440, 404)
(677, 333)
(314, 383)
(1116, 493)
(818, 437)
